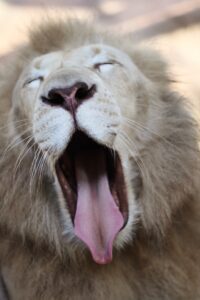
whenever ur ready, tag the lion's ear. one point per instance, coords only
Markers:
(151, 64)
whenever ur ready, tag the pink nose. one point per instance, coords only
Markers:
(70, 98)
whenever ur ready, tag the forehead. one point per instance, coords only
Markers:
(86, 55)
(96, 53)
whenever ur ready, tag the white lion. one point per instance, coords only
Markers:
(99, 166)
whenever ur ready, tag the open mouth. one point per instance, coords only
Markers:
(92, 181)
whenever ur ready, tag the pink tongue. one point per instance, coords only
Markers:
(97, 219)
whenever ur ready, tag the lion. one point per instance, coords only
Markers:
(99, 190)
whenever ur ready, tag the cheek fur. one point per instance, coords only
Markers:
(100, 120)
(52, 129)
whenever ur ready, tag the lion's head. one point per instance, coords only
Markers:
(96, 144)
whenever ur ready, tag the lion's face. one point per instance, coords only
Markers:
(113, 149)
(76, 104)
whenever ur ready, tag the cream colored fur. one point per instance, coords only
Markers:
(156, 256)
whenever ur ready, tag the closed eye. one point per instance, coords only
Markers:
(98, 65)
(106, 66)
(30, 80)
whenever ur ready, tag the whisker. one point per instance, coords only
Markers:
(135, 125)
(139, 104)
(41, 165)
(23, 153)
(33, 168)
(17, 123)
(138, 160)
(15, 141)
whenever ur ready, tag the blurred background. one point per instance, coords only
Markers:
(171, 26)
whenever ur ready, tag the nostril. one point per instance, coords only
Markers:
(84, 92)
(54, 99)
(81, 92)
